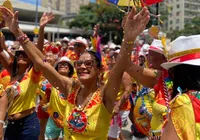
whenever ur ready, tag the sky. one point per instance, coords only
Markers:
(92, 0)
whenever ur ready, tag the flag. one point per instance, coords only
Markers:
(125, 2)
(150, 2)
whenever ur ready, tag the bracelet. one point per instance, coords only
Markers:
(2, 122)
(128, 42)
(23, 39)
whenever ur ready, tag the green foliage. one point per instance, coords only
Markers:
(192, 28)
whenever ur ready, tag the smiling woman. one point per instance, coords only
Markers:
(89, 107)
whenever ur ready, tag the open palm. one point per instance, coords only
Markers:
(46, 18)
(134, 24)
(11, 19)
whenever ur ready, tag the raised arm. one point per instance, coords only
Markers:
(36, 56)
(144, 76)
(134, 25)
(46, 18)
(3, 58)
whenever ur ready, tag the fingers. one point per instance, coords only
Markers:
(16, 16)
(132, 13)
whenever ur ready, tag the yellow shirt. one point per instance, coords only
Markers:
(27, 89)
(90, 123)
(57, 106)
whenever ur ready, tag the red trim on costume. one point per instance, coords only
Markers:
(196, 107)
(186, 57)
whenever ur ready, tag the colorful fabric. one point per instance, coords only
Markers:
(125, 2)
(57, 106)
(72, 55)
(143, 110)
(87, 123)
(5, 78)
(25, 92)
(185, 115)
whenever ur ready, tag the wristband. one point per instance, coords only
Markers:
(2, 122)
(23, 39)
(128, 42)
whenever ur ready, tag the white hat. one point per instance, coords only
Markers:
(58, 43)
(145, 49)
(142, 54)
(65, 39)
(9, 43)
(112, 46)
(65, 59)
(184, 50)
(81, 40)
(157, 46)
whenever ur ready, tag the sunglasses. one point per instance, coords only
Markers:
(63, 65)
(18, 53)
(87, 63)
(78, 45)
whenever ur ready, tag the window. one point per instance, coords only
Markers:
(177, 20)
(177, 6)
(177, 28)
(177, 13)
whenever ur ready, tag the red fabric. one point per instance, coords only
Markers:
(186, 57)
(196, 107)
(150, 2)
(42, 114)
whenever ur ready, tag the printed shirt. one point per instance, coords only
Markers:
(57, 105)
(89, 123)
(4, 80)
(26, 92)
(185, 115)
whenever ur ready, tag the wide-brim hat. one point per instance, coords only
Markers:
(157, 46)
(184, 50)
(65, 59)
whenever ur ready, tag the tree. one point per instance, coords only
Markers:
(192, 28)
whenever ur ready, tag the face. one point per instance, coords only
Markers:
(79, 48)
(22, 58)
(113, 59)
(63, 68)
(64, 44)
(86, 67)
(155, 59)
(50, 58)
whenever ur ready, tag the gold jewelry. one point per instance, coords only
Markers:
(128, 42)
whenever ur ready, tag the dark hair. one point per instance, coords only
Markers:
(15, 67)
(97, 57)
(71, 69)
(187, 77)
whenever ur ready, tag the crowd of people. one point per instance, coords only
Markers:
(71, 89)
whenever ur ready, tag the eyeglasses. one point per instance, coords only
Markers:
(63, 65)
(87, 63)
(18, 53)
(78, 45)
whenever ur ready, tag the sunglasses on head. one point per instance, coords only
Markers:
(18, 53)
(87, 63)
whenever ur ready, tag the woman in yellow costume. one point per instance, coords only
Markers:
(89, 107)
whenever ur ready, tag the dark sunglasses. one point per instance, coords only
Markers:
(18, 53)
(78, 45)
(63, 65)
(87, 63)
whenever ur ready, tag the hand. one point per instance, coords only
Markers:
(46, 18)
(135, 23)
(95, 32)
(116, 109)
(11, 20)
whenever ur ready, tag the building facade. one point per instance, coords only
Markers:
(182, 12)
(67, 6)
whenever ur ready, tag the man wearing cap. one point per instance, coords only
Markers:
(64, 46)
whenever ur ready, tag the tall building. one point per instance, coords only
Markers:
(182, 12)
(67, 6)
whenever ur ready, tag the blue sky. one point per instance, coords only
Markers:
(92, 0)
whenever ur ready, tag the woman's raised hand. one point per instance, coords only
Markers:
(46, 18)
(11, 19)
(134, 24)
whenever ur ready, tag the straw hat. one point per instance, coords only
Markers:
(184, 50)
(157, 46)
